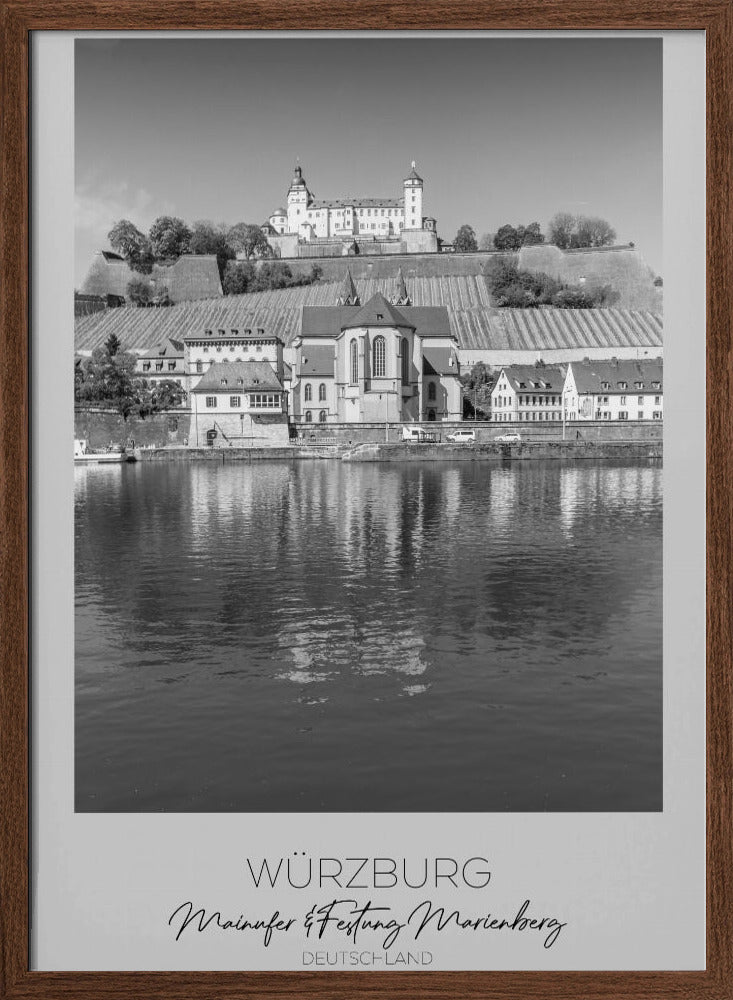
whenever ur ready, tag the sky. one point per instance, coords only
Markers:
(502, 130)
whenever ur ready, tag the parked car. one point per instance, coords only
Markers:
(462, 437)
(417, 434)
(512, 438)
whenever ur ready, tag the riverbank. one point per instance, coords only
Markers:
(398, 452)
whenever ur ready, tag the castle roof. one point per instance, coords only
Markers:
(239, 375)
(357, 203)
(413, 174)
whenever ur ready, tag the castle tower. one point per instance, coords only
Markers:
(413, 186)
(348, 295)
(298, 199)
(400, 297)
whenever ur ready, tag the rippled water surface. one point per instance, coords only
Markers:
(381, 637)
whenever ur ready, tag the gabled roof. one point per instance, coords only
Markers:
(317, 360)
(239, 376)
(439, 361)
(377, 312)
(533, 378)
(169, 349)
(620, 376)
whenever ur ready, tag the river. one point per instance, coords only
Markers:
(325, 636)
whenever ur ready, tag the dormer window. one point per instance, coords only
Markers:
(240, 381)
(379, 315)
(235, 333)
(605, 385)
(248, 333)
(623, 385)
(260, 332)
(656, 385)
(207, 332)
(223, 381)
(221, 332)
(639, 385)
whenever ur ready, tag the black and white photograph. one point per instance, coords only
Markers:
(368, 424)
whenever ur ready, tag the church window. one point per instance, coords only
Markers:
(308, 416)
(322, 392)
(308, 392)
(379, 367)
(354, 362)
(322, 417)
(405, 361)
(431, 390)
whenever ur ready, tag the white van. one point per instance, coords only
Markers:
(413, 434)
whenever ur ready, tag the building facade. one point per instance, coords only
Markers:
(307, 219)
(528, 393)
(378, 362)
(239, 404)
(615, 390)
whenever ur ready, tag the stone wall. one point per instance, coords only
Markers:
(486, 431)
(100, 427)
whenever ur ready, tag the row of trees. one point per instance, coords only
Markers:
(170, 237)
(564, 230)
(521, 289)
(108, 378)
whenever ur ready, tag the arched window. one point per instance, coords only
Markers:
(322, 417)
(308, 392)
(405, 361)
(308, 416)
(322, 392)
(431, 390)
(379, 367)
(354, 362)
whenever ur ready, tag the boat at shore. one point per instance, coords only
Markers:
(84, 455)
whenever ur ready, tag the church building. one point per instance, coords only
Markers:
(376, 362)
(307, 219)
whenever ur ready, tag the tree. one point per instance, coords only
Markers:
(272, 275)
(507, 238)
(134, 246)
(573, 298)
(465, 241)
(531, 234)
(592, 231)
(206, 238)
(249, 240)
(239, 277)
(169, 237)
(109, 379)
(560, 229)
(486, 242)
(112, 344)
(164, 395)
(316, 273)
(140, 292)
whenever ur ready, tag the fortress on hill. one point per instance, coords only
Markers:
(310, 227)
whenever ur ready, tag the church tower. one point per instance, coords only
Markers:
(400, 297)
(348, 296)
(413, 185)
(298, 199)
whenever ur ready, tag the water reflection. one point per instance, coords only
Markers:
(239, 626)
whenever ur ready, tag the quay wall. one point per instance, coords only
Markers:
(174, 429)
(486, 431)
(571, 450)
(101, 427)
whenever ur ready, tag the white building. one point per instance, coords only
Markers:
(307, 219)
(527, 393)
(615, 390)
(239, 404)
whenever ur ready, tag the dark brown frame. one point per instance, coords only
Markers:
(18, 19)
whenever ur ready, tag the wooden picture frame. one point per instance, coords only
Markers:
(20, 18)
